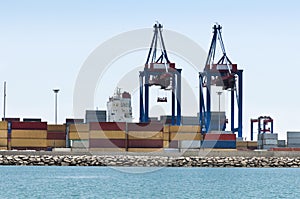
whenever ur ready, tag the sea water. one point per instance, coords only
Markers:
(120, 182)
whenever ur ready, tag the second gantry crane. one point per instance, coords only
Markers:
(221, 73)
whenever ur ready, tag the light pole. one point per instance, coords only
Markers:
(4, 101)
(219, 93)
(56, 91)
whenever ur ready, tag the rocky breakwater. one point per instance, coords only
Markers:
(147, 161)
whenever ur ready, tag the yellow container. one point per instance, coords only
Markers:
(3, 142)
(166, 129)
(56, 143)
(107, 149)
(79, 127)
(56, 128)
(3, 133)
(252, 143)
(186, 129)
(145, 150)
(35, 134)
(3, 125)
(28, 142)
(3, 148)
(166, 136)
(186, 136)
(83, 135)
(107, 134)
(152, 135)
(241, 144)
(166, 144)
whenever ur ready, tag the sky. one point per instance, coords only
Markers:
(44, 44)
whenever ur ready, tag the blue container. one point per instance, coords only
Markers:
(218, 144)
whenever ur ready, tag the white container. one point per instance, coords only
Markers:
(80, 144)
(61, 149)
(269, 136)
(189, 144)
(293, 134)
(270, 142)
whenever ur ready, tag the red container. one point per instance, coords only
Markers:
(108, 126)
(145, 143)
(285, 149)
(106, 143)
(56, 135)
(223, 137)
(29, 125)
(174, 144)
(30, 148)
(152, 126)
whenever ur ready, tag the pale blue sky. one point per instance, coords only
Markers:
(43, 45)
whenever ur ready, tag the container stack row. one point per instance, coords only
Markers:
(267, 141)
(219, 140)
(28, 135)
(293, 139)
(3, 135)
(56, 136)
(79, 135)
(182, 137)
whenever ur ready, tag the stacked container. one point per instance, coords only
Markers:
(56, 136)
(225, 140)
(79, 136)
(29, 135)
(182, 137)
(267, 140)
(107, 136)
(293, 139)
(246, 145)
(3, 135)
(146, 137)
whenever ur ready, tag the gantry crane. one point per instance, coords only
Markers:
(160, 72)
(222, 73)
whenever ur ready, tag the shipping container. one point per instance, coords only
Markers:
(3, 133)
(84, 135)
(3, 142)
(152, 126)
(145, 150)
(52, 135)
(189, 144)
(80, 143)
(107, 143)
(218, 144)
(108, 126)
(3, 125)
(106, 150)
(187, 129)
(166, 136)
(74, 121)
(210, 136)
(56, 143)
(270, 142)
(107, 134)
(30, 148)
(34, 134)
(3, 148)
(153, 135)
(186, 136)
(146, 143)
(11, 119)
(166, 129)
(293, 134)
(78, 127)
(28, 142)
(32, 120)
(29, 125)
(56, 127)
